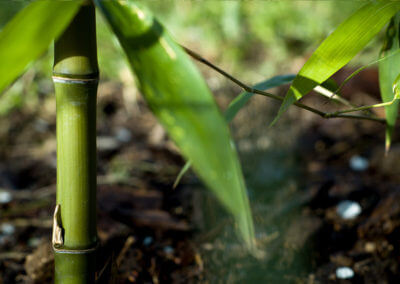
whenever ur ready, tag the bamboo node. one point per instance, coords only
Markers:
(61, 250)
(66, 80)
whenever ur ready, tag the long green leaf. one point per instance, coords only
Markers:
(339, 48)
(238, 103)
(389, 69)
(179, 97)
(30, 33)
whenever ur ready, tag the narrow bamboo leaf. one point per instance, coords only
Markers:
(389, 69)
(179, 97)
(339, 48)
(30, 33)
(237, 104)
(240, 101)
(182, 172)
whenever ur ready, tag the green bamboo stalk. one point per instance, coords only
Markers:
(75, 76)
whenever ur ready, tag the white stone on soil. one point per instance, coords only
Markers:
(344, 272)
(7, 229)
(5, 197)
(358, 163)
(348, 209)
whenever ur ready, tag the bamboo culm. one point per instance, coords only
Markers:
(75, 76)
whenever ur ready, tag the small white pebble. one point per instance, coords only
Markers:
(348, 209)
(358, 163)
(344, 272)
(168, 250)
(123, 135)
(41, 125)
(5, 197)
(7, 229)
(147, 241)
(107, 143)
(34, 242)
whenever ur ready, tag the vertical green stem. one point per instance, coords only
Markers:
(75, 76)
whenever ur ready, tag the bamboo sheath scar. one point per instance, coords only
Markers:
(75, 77)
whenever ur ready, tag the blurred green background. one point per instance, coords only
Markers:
(253, 40)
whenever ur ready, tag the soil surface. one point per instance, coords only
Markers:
(152, 233)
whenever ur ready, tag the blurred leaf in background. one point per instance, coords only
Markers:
(389, 69)
(254, 39)
(266, 37)
(8, 9)
(22, 40)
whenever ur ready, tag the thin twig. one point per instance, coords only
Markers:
(249, 89)
(361, 108)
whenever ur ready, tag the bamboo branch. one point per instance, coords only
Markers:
(249, 89)
(339, 112)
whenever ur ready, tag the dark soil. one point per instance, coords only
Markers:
(144, 225)
(147, 229)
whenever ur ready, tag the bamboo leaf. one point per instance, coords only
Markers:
(237, 104)
(30, 33)
(339, 48)
(182, 172)
(179, 97)
(240, 101)
(389, 69)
